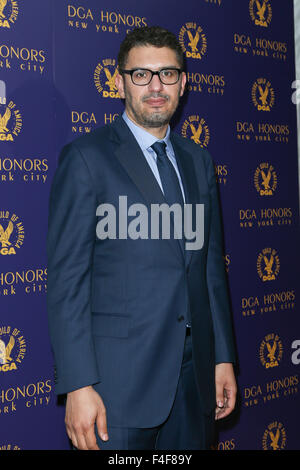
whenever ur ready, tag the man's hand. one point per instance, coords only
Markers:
(85, 407)
(225, 389)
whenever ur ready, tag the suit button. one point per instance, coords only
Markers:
(181, 318)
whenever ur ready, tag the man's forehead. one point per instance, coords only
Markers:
(151, 56)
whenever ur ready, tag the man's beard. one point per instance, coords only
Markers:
(154, 119)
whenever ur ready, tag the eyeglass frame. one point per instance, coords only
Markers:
(157, 72)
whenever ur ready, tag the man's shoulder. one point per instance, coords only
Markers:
(91, 147)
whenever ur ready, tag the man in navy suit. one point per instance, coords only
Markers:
(140, 325)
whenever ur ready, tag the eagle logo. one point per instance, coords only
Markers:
(196, 129)
(271, 351)
(274, 437)
(105, 78)
(196, 132)
(10, 121)
(261, 9)
(268, 264)
(3, 4)
(5, 351)
(193, 40)
(111, 79)
(265, 179)
(5, 234)
(263, 94)
(4, 120)
(12, 348)
(260, 12)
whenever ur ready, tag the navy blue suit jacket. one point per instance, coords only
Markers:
(117, 308)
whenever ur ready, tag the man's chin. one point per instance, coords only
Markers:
(155, 120)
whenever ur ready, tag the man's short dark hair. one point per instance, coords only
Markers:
(149, 36)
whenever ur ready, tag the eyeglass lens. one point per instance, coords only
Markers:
(143, 76)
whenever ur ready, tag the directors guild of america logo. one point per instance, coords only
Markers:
(268, 264)
(263, 95)
(8, 13)
(261, 12)
(265, 179)
(196, 129)
(104, 78)
(274, 437)
(270, 351)
(10, 121)
(12, 348)
(11, 233)
(193, 41)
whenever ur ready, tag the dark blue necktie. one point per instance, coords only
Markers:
(169, 180)
(171, 187)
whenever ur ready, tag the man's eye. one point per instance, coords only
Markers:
(140, 74)
(168, 73)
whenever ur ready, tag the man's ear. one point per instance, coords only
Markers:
(119, 82)
(183, 83)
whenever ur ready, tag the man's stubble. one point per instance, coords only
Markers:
(154, 119)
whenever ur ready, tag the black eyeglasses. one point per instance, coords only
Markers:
(143, 77)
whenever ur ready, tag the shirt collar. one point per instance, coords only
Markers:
(143, 137)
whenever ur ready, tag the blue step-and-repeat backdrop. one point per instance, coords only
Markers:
(57, 69)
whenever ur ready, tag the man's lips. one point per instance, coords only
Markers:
(156, 101)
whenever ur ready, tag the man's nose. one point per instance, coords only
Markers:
(155, 84)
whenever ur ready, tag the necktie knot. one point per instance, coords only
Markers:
(159, 148)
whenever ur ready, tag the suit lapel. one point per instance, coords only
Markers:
(132, 159)
(189, 182)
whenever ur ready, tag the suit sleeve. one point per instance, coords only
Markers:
(216, 277)
(70, 244)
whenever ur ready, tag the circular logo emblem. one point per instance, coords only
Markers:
(265, 179)
(268, 264)
(193, 41)
(263, 95)
(274, 437)
(104, 78)
(10, 122)
(11, 233)
(270, 351)
(12, 348)
(8, 13)
(260, 12)
(9, 447)
(196, 129)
